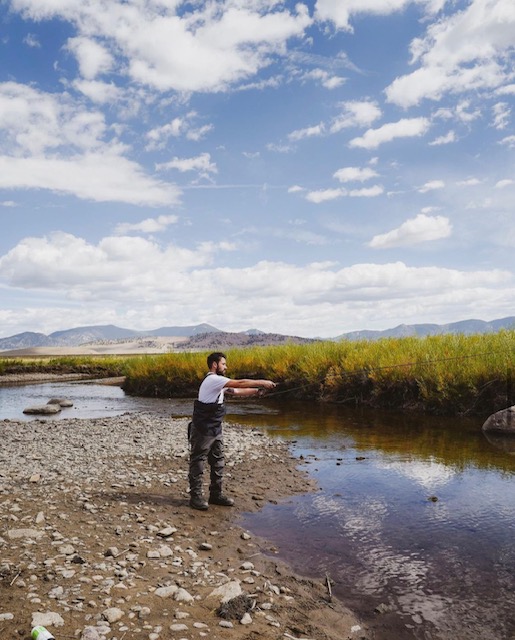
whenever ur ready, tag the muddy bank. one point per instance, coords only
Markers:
(97, 540)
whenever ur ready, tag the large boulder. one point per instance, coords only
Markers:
(501, 422)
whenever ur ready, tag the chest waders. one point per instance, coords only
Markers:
(206, 442)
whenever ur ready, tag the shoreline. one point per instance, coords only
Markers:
(96, 534)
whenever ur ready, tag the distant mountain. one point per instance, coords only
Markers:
(84, 335)
(464, 327)
(205, 336)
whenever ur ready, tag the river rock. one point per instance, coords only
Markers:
(48, 619)
(112, 614)
(226, 591)
(15, 534)
(43, 410)
(166, 592)
(501, 422)
(62, 402)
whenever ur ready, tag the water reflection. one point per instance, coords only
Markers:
(414, 514)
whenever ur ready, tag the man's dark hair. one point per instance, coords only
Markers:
(214, 357)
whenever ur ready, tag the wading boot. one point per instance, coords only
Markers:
(198, 502)
(220, 499)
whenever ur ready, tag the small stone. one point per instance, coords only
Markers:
(49, 619)
(247, 566)
(112, 614)
(166, 532)
(226, 624)
(178, 626)
(245, 536)
(183, 596)
(166, 592)
(14, 534)
(111, 552)
(6, 616)
(205, 546)
(247, 619)
(90, 633)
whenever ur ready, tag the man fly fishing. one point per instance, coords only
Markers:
(205, 430)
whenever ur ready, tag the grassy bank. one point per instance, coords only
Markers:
(89, 366)
(448, 375)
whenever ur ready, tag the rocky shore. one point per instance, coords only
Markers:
(97, 540)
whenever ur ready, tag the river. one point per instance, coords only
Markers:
(413, 522)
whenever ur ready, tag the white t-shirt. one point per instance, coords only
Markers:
(212, 388)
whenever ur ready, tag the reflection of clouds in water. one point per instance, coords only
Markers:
(429, 474)
(381, 567)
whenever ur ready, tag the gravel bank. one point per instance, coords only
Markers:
(97, 541)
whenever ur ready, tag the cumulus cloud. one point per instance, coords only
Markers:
(215, 46)
(416, 230)
(326, 79)
(340, 13)
(55, 144)
(92, 57)
(353, 174)
(468, 50)
(310, 299)
(355, 113)
(405, 128)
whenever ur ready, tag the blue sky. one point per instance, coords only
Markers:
(301, 168)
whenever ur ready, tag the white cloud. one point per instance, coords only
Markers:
(31, 41)
(353, 174)
(405, 128)
(432, 185)
(502, 113)
(470, 182)
(340, 11)
(215, 46)
(509, 141)
(308, 132)
(446, 139)
(501, 184)
(53, 143)
(309, 299)
(422, 228)
(324, 195)
(92, 57)
(178, 127)
(468, 50)
(8, 203)
(149, 225)
(356, 113)
(369, 192)
(97, 91)
(326, 79)
(201, 163)
(295, 189)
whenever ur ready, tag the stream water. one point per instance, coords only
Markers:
(414, 519)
